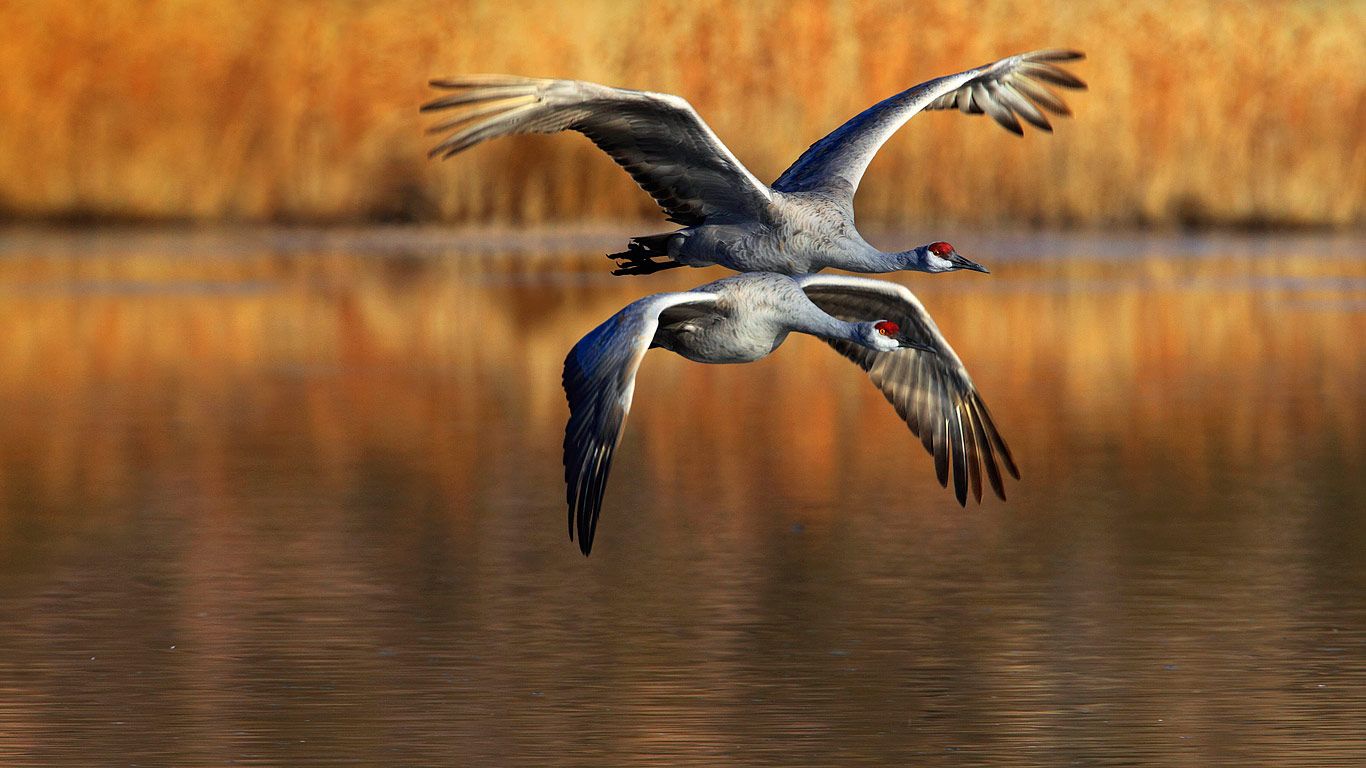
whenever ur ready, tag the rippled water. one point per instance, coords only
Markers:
(296, 499)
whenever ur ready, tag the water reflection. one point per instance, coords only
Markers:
(292, 501)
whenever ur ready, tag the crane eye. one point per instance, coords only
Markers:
(888, 328)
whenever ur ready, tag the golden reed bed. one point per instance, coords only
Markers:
(1220, 112)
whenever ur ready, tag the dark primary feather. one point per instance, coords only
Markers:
(657, 138)
(932, 392)
(599, 379)
(1008, 90)
(596, 375)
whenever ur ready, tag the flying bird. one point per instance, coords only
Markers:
(804, 221)
(879, 325)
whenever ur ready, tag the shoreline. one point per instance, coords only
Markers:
(1007, 244)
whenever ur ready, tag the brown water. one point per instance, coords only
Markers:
(295, 499)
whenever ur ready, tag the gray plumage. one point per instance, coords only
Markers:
(803, 223)
(881, 326)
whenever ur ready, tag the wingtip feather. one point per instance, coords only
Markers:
(477, 81)
(1055, 54)
(1053, 74)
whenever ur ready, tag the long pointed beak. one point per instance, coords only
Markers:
(908, 344)
(962, 262)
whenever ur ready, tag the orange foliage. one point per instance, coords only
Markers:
(1218, 112)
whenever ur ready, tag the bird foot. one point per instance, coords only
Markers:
(644, 266)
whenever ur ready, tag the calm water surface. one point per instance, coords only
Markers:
(279, 498)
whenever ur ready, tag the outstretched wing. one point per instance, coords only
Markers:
(930, 390)
(599, 380)
(1008, 89)
(658, 138)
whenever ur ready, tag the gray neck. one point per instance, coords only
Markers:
(865, 258)
(813, 320)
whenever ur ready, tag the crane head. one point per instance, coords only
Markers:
(885, 336)
(941, 257)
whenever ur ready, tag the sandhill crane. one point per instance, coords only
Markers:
(804, 222)
(743, 318)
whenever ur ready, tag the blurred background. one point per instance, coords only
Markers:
(1218, 113)
(280, 476)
